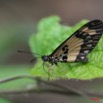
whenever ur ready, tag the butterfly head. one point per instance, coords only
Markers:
(45, 58)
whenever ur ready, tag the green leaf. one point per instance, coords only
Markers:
(2, 100)
(7, 71)
(50, 34)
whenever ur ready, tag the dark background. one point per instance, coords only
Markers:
(18, 20)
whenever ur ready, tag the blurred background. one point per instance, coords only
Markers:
(18, 20)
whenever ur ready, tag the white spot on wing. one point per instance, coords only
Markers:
(86, 51)
(82, 57)
(88, 37)
(89, 45)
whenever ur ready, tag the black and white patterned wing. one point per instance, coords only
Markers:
(77, 46)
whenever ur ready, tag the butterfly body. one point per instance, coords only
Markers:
(78, 45)
(50, 59)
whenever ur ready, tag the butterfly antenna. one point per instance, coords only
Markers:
(28, 52)
(48, 75)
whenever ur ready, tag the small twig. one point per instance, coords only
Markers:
(15, 78)
(37, 91)
(59, 89)
(67, 89)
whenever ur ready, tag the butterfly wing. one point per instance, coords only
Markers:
(77, 46)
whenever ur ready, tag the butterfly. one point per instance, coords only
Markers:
(78, 45)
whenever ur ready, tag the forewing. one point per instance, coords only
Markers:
(77, 46)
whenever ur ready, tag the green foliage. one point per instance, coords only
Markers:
(50, 34)
(8, 71)
(4, 101)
